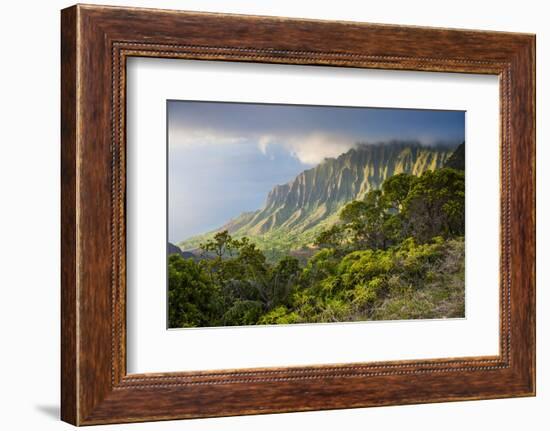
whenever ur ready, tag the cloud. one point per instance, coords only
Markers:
(309, 148)
(185, 137)
(263, 143)
(313, 148)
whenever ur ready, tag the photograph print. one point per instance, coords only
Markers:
(302, 214)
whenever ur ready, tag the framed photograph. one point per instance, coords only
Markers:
(264, 214)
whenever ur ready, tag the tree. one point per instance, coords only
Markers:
(275, 285)
(250, 258)
(366, 219)
(334, 237)
(221, 245)
(249, 286)
(435, 205)
(396, 189)
(193, 300)
(406, 206)
(229, 259)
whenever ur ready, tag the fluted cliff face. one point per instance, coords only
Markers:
(317, 193)
(293, 212)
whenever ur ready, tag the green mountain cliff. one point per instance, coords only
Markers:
(296, 211)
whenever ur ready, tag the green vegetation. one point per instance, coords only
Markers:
(295, 213)
(398, 253)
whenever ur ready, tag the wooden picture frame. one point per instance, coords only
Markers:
(95, 43)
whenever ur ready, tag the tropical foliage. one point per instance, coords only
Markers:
(396, 254)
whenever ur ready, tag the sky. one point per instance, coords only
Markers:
(223, 158)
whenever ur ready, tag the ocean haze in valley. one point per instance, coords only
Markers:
(225, 158)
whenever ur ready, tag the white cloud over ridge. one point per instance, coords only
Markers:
(315, 147)
(310, 148)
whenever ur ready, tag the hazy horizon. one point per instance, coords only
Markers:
(225, 157)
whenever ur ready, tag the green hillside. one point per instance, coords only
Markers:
(296, 212)
(398, 253)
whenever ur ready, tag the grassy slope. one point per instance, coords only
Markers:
(441, 297)
(274, 243)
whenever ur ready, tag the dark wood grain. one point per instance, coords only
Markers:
(69, 397)
(96, 41)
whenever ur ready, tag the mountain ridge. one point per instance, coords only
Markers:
(295, 211)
